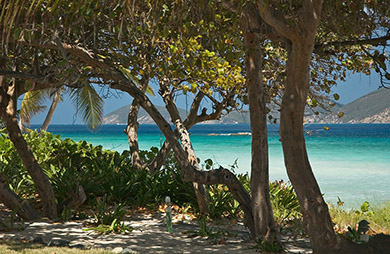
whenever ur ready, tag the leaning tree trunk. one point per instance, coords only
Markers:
(52, 109)
(15, 203)
(187, 145)
(299, 39)
(132, 133)
(41, 180)
(261, 204)
(160, 158)
(317, 221)
(219, 176)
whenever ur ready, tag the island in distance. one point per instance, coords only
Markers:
(371, 108)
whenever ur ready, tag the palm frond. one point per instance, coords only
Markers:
(32, 105)
(90, 104)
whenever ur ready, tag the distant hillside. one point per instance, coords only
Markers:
(371, 108)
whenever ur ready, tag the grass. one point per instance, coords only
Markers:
(378, 216)
(28, 248)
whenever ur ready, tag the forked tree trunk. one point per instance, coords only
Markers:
(299, 40)
(52, 109)
(261, 204)
(15, 203)
(187, 145)
(222, 176)
(41, 180)
(317, 221)
(191, 119)
(132, 133)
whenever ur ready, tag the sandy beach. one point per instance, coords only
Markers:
(149, 235)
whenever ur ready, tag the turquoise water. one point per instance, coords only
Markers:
(350, 161)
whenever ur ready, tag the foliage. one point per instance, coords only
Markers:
(32, 104)
(284, 202)
(115, 227)
(352, 234)
(100, 172)
(215, 234)
(268, 247)
(222, 203)
(90, 104)
(108, 219)
(378, 216)
(106, 215)
(108, 179)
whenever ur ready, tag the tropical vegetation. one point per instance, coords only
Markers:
(263, 53)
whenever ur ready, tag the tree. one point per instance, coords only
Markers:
(99, 65)
(299, 33)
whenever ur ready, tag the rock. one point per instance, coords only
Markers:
(127, 251)
(117, 250)
(58, 243)
(78, 246)
(34, 239)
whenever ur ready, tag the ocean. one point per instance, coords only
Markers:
(350, 161)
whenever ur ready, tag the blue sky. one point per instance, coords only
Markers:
(356, 86)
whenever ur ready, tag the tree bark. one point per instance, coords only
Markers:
(132, 129)
(45, 190)
(317, 221)
(52, 109)
(261, 204)
(15, 203)
(186, 143)
(300, 40)
(189, 173)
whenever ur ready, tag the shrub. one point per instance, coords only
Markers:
(109, 174)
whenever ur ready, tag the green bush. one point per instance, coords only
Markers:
(69, 164)
(377, 215)
(284, 202)
(109, 174)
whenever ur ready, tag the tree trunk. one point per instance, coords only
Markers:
(160, 158)
(317, 221)
(52, 109)
(15, 203)
(187, 145)
(132, 129)
(222, 176)
(261, 204)
(41, 180)
(191, 119)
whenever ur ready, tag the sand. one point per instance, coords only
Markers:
(149, 235)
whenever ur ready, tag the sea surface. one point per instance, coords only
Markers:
(350, 161)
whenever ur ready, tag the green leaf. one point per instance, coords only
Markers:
(365, 206)
(32, 105)
(90, 104)
(149, 90)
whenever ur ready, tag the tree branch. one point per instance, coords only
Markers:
(276, 19)
(23, 76)
(189, 173)
(192, 115)
(372, 41)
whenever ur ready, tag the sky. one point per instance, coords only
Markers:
(353, 88)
